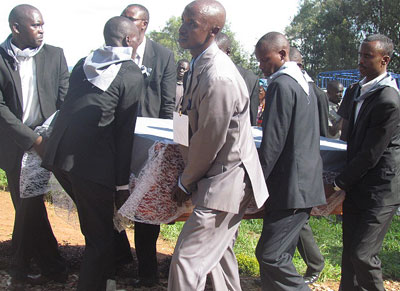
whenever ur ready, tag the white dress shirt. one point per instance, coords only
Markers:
(30, 98)
(140, 53)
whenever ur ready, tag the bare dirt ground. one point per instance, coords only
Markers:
(71, 242)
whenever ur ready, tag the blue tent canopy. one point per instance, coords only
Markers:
(346, 77)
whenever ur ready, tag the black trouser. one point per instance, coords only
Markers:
(276, 248)
(146, 236)
(95, 205)
(32, 235)
(363, 234)
(309, 251)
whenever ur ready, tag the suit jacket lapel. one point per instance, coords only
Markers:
(10, 63)
(40, 67)
(149, 59)
(364, 105)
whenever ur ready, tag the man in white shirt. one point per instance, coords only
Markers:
(33, 83)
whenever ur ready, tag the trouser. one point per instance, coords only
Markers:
(146, 236)
(276, 248)
(309, 251)
(363, 234)
(32, 235)
(95, 205)
(204, 246)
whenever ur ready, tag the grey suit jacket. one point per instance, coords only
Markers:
(159, 99)
(52, 84)
(221, 149)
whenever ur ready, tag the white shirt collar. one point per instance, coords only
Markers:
(365, 86)
(140, 52)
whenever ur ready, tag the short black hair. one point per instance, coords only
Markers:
(182, 61)
(385, 42)
(333, 84)
(142, 8)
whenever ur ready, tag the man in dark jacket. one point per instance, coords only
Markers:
(33, 83)
(251, 80)
(371, 177)
(89, 150)
(290, 157)
(158, 66)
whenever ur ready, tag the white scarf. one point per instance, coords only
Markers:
(102, 66)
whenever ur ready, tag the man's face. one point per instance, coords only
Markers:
(371, 60)
(335, 93)
(29, 30)
(182, 68)
(270, 60)
(194, 32)
(138, 17)
(134, 41)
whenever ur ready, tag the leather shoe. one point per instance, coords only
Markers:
(144, 282)
(311, 279)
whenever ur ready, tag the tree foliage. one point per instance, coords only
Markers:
(329, 32)
(168, 37)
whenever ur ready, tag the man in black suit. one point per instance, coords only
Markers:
(33, 83)
(158, 66)
(290, 157)
(307, 246)
(89, 150)
(371, 177)
(251, 80)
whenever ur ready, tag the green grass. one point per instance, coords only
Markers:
(328, 235)
(3, 180)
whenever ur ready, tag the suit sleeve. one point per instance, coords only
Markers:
(384, 120)
(13, 127)
(125, 120)
(323, 110)
(63, 80)
(254, 102)
(215, 112)
(168, 88)
(276, 124)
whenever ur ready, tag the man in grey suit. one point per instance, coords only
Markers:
(290, 158)
(33, 83)
(158, 67)
(222, 172)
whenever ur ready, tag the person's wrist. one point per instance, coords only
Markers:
(336, 187)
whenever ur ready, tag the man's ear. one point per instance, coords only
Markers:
(126, 41)
(385, 60)
(15, 27)
(215, 30)
(283, 53)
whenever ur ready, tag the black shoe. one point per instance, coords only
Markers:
(144, 282)
(311, 279)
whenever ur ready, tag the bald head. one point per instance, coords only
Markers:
(223, 42)
(120, 31)
(212, 12)
(202, 20)
(295, 56)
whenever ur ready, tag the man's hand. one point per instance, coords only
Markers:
(179, 195)
(120, 197)
(39, 146)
